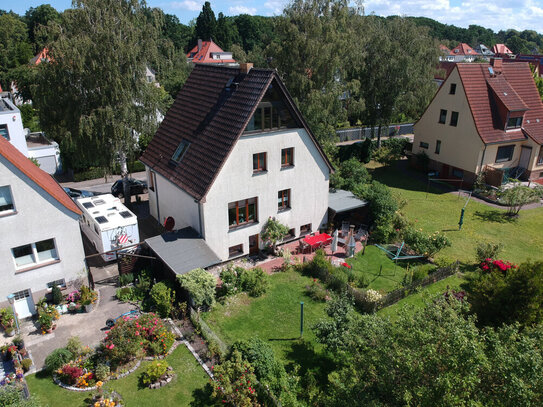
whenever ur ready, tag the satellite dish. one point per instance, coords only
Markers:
(169, 223)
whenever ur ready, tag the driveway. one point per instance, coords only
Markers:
(89, 327)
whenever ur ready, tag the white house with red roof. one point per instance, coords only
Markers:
(463, 53)
(207, 52)
(40, 240)
(484, 118)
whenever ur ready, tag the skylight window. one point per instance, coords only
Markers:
(88, 205)
(101, 219)
(180, 151)
(125, 214)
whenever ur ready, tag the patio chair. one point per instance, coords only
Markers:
(361, 233)
(344, 228)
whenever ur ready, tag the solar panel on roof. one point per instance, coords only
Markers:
(125, 214)
(88, 205)
(101, 219)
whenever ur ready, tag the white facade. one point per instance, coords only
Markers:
(36, 217)
(307, 181)
(10, 119)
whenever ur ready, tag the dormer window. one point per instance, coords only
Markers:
(180, 151)
(514, 123)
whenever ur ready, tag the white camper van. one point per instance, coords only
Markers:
(108, 224)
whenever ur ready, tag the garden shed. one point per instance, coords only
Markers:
(344, 206)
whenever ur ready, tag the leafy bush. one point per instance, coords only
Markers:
(254, 281)
(487, 251)
(12, 396)
(70, 374)
(516, 197)
(362, 281)
(26, 364)
(339, 280)
(56, 295)
(424, 244)
(74, 346)
(162, 299)
(421, 271)
(102, 371)
(273, 231)
(154, 372)
(57, 359)
(316, 291)
(201, 287)
(7, 319)
(125, 294)
(351, 173)
(382, 207)
(230, 280)
(234, 382)
(125, 279)
(319, 267)
(134, 337)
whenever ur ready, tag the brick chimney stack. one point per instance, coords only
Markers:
(245, 68)
(496, 64)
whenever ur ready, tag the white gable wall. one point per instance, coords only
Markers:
(12, 118)
(307, 180)
(39, 217)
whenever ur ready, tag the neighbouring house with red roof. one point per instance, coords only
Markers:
(232, 151)
(42, 56)
(501, 50)
(462, 53)
(484, 118)
(40, 240)
(207, 52)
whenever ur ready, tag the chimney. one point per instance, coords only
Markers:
(245, 68)
(199, 45)
(496, 64)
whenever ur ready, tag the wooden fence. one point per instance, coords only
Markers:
(438, 275)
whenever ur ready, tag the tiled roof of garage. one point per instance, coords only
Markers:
(211, 116)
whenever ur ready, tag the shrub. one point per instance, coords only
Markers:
(319, 267)
(487, 250)
(424, 244)
(234, 382)
(26, 364)
(162, 298)
(57, 359)
(339, 280)
(102, 372)
(125, 279)
(230, 280)
(254, 281)
(382, 207)
(316, 291)
(273, 231)
(421, 271)
(368, 300)
(56, 295)
(201, 287)
(6, 317)
(74, 346)
(362, 281)
(154, 372)
(125, 294)
(70, 374)
(350, 174)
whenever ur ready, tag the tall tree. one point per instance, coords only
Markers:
(226, 32)
(397, 73)
(206, 23)
(36, 17)
(14, 46)
(92, 96)
(178, 33)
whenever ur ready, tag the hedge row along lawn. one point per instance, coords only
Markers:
(189, 386)
(440, 211)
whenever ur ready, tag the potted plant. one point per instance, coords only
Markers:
(46, 322)
(7, 319)
(88, 297)
(19, 342)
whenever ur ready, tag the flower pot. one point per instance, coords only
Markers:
(10, 333)
(88, 308)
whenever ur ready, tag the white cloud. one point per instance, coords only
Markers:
(242, 10)
(275, 6)
(190, 5)
(496, 14)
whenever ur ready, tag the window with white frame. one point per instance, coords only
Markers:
(37, 253)
(6, 200)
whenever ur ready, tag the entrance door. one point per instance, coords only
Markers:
(525, 154)
(253, 244)
(24, 304)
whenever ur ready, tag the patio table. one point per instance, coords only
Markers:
(316, 241)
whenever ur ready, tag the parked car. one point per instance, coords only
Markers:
(136, 187)
(79, 193)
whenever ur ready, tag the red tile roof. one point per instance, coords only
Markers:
(40, 177)
(501, 49)
(463, 49)
(444, 49)
(444, 69)
(204, 55)
(516, 80)
(211, 118)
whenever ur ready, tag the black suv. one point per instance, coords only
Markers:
(136, 187)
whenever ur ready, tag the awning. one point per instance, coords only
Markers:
(183, 250)
(343, 201)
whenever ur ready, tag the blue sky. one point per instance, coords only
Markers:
(495, 14)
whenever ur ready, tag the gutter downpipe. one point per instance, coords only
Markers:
(482, 160)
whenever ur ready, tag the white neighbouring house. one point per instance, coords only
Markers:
(233, 151)
(40, 240)
(31, 145)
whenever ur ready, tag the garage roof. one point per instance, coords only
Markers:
(343, 201)
(183, 250)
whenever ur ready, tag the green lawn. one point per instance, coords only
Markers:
(425, 294)
(440, 211)
(188, 388)
(274, 317)
(380, 271)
